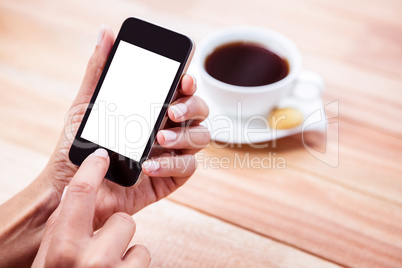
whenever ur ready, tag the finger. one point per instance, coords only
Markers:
(181, 166)
(115, 236)
(88, 85)
(188, 85)
(78, 205)
(187, 108)
(195, 137)
(137, 256)
(95, 65)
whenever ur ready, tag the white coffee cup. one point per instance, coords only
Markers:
(255, 100)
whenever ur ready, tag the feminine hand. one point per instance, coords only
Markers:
(69, 239)
(169, 169)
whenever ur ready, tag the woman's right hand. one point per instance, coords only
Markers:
(69, 239)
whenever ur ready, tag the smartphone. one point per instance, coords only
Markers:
(129, 105)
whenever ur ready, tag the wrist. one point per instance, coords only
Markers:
(23, 221)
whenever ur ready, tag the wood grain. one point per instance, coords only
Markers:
(192, 239)
(300, 209)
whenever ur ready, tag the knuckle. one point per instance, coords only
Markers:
(186, 165)
(193, 164)
(195, 103)
(169, 163)
(205, 135)
(198, 137)
(187, 136)
(62, 255)
(95, 64)
(97, 162)
(125, 217)
(81, 188)
(96, 261)
(201, 106)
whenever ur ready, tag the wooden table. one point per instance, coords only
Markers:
(346, 210)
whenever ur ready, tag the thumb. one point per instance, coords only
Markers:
(95, 65)
(94, 69)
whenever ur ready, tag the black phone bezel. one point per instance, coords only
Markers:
(123, 170)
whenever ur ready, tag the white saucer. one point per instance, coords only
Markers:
(236, 130)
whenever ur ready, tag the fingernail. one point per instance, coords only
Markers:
(64, 192)
(194, 79)
(179, 110)
(194, 82)
(100, 34)
(151, 166)
(101, 152)
(169, 135)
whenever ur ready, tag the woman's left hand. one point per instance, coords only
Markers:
(173, 161)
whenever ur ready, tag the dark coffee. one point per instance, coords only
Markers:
(246, 64)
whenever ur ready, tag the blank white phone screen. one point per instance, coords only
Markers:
(130, 100)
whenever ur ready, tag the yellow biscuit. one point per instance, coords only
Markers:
(285, 118)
